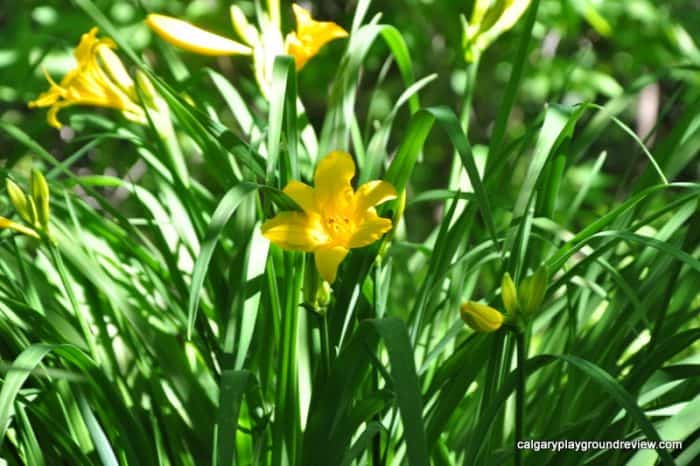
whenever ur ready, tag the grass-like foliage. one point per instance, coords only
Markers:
(330, 237)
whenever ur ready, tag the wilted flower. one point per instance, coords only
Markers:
(335, 218)
(99, 80)
(481, 317)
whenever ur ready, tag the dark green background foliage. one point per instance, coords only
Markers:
(202, 352)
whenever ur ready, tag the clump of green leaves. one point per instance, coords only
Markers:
(160, 327)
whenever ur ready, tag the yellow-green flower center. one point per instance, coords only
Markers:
(338, 226)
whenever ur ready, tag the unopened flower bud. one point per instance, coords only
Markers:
(40, 195)
(509, 295)
(317, 292)
(146, 86)
(19, 200)
(532, 290)
(480, 317)
(323, 295)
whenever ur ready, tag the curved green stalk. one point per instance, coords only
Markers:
(57, 259)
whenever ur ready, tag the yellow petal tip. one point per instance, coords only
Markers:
(189, 37)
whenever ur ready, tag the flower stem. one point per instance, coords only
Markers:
(67, 285)
(469, 85)
(491, 384)
(287, 426)
(520, 350)
(325, 347)
(464, 118)
(176, 158)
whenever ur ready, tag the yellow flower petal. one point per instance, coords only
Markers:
(295, 231)
(90, 83)
(186, 36)
(52, 115)
(373, 193)
(302, 194)
(332, 180)
(6, 223)
(327, 261)
(310, 36)
(83, 52)
(370, 229)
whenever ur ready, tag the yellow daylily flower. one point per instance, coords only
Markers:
(189, 37)
(310, 36)
(99, 80)
(481, 317)
(335, 217)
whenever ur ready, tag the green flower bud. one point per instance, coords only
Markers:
(480, 317)
(40, 195)
(509, 295)
(323, 295)
(19, 200)
(532, 290)
(149, 92)
(317, 292)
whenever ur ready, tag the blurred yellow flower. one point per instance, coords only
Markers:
(480, 317)
(99, 79)
(264, 43)
(310, 36)
(335, 218)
